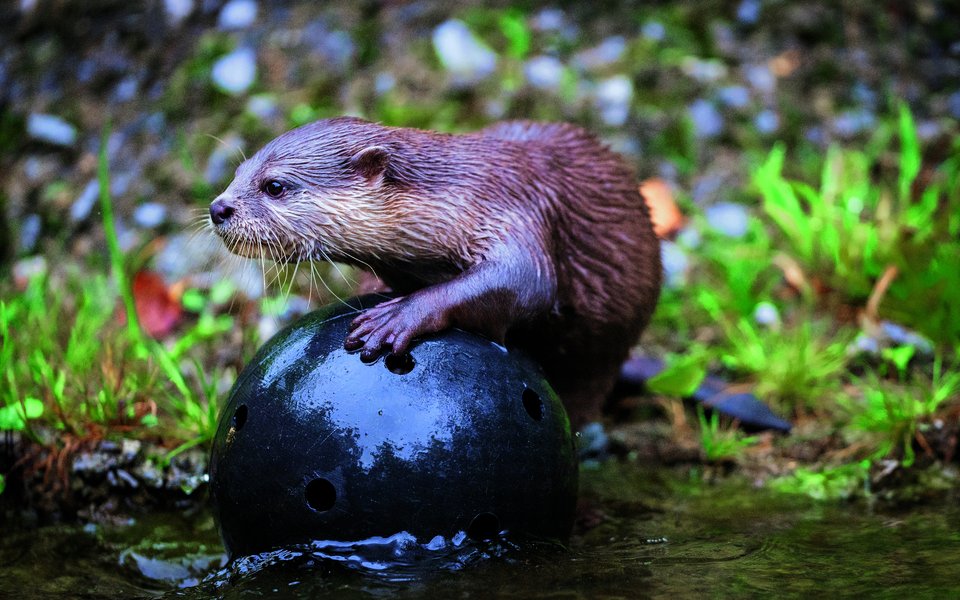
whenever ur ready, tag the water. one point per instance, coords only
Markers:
(644, 533)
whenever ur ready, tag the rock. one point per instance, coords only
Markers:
(653, 31)
(30, 227)
(613, 97)
(235, 72)
(766, 314)
(609, 51)
(177, 10)
(544, 72)
(237, 14)
(728, 218)
(767, 121)
(675, 263)
(748, 12)
(703, 71)
(461, 53)
(51, 129)
(81, 207)
(735, 96)
(707, 120)
(150, 214)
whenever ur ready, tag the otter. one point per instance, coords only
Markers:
(532, 234)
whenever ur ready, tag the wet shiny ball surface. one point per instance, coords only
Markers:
(457, 437)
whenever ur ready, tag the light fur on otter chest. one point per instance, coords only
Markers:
(532, 234)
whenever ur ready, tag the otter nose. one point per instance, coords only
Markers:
(220, 211)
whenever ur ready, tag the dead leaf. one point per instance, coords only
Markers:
(664, 212)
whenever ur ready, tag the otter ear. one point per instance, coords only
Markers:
(371, 162)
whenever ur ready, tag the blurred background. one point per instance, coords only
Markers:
(801, 158)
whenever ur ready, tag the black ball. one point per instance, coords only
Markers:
(459, 436)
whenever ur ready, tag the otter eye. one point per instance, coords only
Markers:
(273, 188)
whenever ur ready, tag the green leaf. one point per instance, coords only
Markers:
(514, 28)
(682, 376)
(3, 484)
(13, 418)
(193, 300)
(909, 153)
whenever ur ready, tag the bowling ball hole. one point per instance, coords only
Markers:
(240, 417)
(321, 495)
(401, 364)
(484, 527)
(532, 404)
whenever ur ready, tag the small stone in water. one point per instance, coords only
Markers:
(51, 129)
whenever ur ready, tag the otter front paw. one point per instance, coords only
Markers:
(391, 326)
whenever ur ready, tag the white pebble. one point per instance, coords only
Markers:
(461, 53)
(237, 14)
(235, 72)
(51, 129)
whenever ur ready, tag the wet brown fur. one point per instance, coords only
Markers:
(533, 234)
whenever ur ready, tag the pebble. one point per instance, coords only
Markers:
(607, 52)
(263, 106)
(544, 72)
(237, 14)
(27, 269)
(760, 78)
(748, 12)
(735, 96)
(851, 122)
(461, 53)
(335, 48)
(548, 19)
(675, 263)
(767, 121)
(235, 72)
(177, 10)
(81, 207)
(766, 314)
(51, 129)
(30, 227)
(126, 90)
(384, 82)
(728, 218)
(704, 71)
(953, 105)
(707, 120)
(613, 98)
(150, 214)
(653, 30)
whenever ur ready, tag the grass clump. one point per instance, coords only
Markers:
(69, 365)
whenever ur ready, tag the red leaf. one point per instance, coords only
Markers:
(157, 307)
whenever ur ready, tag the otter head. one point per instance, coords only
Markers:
(328, 190)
